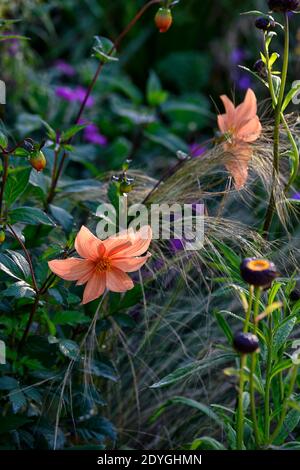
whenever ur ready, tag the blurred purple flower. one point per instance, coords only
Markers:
(13, 43)
(237, 55)
(296, 196)
(74, 94)
(65, 68)
(196, 150)
(243, 82)
(176, 244)
(91, 134)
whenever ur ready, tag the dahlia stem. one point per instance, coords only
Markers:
(276, 154)
(240, 411)
(117, 43)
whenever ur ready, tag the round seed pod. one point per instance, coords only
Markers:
(38, 160)
(264, 23)
(258, 272)
(283, 5)
(295, 294)
(245, 343)
(260, 68)
(163, 19)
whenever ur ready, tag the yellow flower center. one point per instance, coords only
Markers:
(103, 265)
(258, 265)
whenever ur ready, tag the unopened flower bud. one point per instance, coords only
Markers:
(126, 187)
(2, 237)
(260, 68)
(264, 23)
(38, 160)
(163, 19)
(283, 5)
(245, 343)
(258, 272)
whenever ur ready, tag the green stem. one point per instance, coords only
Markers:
(240, 415)
(268, 381)
(252, 371)
(276, 137)
(285, 406)
(249, 310)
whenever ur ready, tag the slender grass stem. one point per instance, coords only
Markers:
(276, 154)
(240, 413)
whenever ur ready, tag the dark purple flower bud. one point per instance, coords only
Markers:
(283, 5)
(245, 343)
(260, 68)
(258, 272)
(264, 23)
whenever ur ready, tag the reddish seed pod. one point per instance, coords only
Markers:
(163, 19)
(38, 160)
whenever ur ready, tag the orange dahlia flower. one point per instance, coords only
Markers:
(104, 264)
(241, 127)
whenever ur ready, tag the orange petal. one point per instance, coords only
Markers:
(223, 123)
(230, 110)
(94, 288)
(116, 242)
(140, 244)
(118, 281)
(238, 167)
(250, 131)
(246, 110)
(130, 265)
(71, 269)
(87, 245)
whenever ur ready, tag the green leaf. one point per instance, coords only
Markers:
(70, 318)
(20, 290)
(282, 332)
(17, 400)
(289, 424)
(11, 423)
(16, 185)
(155, 94)
(69, 349)
(104, 50)
(62, 217)
(101, 369)
(192, 369)
(223, 324)
(3, 140)
(8, 383)
(291, 94)
(206, 443)
(187, 402)
(14, 265)
(30, 215)
(69, 133)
